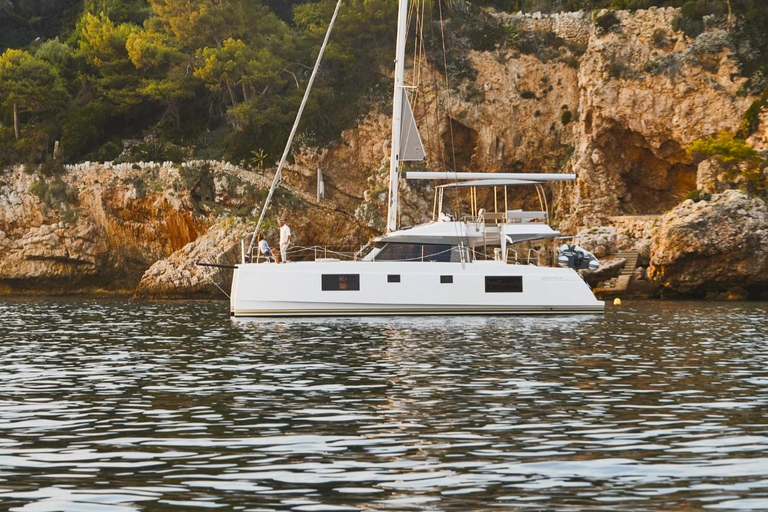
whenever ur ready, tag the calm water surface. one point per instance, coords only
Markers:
(118, 406)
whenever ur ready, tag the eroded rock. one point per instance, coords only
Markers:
(713, 246)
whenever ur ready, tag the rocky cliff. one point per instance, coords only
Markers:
(91, 230)
(139, 229)
(619, 104)
(619, 108)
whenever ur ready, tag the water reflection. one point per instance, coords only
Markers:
(116, 406)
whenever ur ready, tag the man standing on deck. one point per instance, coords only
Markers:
(285, 239)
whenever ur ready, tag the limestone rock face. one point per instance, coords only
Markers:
(713, 246)
(103, 228)
(92, 230)
(712, 177)
(608, 269)
(642, 103)
(179, 275)
(600, 241)
(97, 228)
(621, 115)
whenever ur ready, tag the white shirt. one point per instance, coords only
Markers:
(285, 235)
(264, 247)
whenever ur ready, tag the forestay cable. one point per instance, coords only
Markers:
(280, 166)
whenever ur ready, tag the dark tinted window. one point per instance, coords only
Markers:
(503, 284)
(393, 278)
(446, 279)
(415, 252)
(341, 282)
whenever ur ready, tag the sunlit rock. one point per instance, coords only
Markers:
(713, 246)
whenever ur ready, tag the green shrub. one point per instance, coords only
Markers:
(689, 26)
(108, 152)
(750, 45)
(83, 129)
(8, 152)
(175, 153)
(53, 193)
(38, 188)
(198, 180)
(528, 95)
(70, 216)
(726, 148)
(607, 22)
(691, 18)
(545, 45)
(754, 181)
(755, 83)
(566, 117)
(660, 38)
(60, 192)
(151, 150)
(670, 63)
(741, 160)
(616, 69)
(697, 195)
(751, 120)
(51, 167)
(486, 33)
(570, 61)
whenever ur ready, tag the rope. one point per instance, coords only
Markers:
(288, 144)
(220, 288)
(447, 80)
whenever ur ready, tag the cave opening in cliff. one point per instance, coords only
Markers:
(651, 181)
(460, 144)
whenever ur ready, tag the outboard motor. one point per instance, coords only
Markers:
(576, 258)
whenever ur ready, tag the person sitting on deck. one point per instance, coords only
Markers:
(264, 250)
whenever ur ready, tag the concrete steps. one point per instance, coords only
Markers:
(629, 267)
(622, 282)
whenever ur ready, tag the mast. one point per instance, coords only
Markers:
(397, 114)
(279, 172)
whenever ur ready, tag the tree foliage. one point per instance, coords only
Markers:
(225, 77)
(744, 163)
(29, 85)
(727, 148)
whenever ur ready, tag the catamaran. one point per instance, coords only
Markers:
(455, 264)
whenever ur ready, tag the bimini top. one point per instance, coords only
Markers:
(487, 183)
(538, 177)
(471, 233)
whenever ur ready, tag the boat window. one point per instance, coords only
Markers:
(418, 252)
(446, 279)
(393, 278)
(503, 284)
(341, 282)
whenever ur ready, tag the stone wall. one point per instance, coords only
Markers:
(574, 27)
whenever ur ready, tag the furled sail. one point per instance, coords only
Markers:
(411, 148)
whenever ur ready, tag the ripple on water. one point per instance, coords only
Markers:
(112, 405)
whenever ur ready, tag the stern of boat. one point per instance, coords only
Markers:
(234, 290)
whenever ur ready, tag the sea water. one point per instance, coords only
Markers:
(118, 406)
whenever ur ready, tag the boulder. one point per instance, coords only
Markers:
(179, 275)
(600, 241)
(713, 246)
(712, 177)
(607, 270)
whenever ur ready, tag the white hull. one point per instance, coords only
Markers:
(296, 289)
